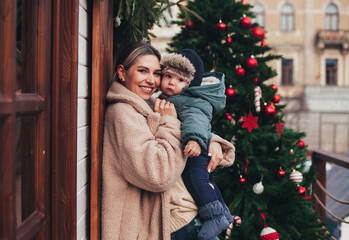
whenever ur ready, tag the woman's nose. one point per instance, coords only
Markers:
(151, 78)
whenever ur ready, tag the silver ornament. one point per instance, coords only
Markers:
(258, 188)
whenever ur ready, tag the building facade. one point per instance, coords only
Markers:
(313, 75)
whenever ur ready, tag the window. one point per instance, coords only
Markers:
(287, 18)
(331, 19)
(38, 88)
(259, 12)
(25, 119)
(287, 72)
(331, 71)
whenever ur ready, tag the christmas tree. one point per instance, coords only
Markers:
(270, 184)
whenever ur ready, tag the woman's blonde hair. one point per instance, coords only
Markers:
(129, 55)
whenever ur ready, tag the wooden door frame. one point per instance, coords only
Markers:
(7, 95)
(102, 72)
(65, 32)
(59, 42)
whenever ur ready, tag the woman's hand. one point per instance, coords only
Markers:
(215, 150)
(164, 108)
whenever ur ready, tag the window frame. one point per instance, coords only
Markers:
(287, 17)
(15, 103)
(56, 69)
(331, 17)
(333, 71)
(287, 73)
(260, 16)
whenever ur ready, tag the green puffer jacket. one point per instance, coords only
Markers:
(196, 105)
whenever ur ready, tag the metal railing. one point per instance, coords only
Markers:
(319, 160)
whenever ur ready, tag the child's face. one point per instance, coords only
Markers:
(172, 84)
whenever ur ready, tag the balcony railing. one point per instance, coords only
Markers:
(332, 39)
(319, 159)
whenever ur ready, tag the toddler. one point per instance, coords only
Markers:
(197, 97)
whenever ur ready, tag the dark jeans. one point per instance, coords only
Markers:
(199, 182)
(189, 231)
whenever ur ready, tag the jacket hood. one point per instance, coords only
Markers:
(212, 90)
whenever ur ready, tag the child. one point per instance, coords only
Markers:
(195, 104)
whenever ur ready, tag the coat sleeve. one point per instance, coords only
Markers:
(228, 150)
(147, 149)
(196, 123)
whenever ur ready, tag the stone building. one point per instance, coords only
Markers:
(313, 75)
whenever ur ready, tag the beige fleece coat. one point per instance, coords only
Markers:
(142, 160)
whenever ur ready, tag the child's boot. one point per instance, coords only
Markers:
(214, 220)
(227, 214)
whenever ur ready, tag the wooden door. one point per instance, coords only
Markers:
(25, 73)
(38, 118)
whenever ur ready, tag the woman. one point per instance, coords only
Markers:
(142, 155)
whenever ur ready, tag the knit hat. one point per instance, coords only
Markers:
(186, 63)
(195, 59)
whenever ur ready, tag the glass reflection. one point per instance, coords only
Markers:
(25, 135)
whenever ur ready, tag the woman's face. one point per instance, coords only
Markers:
(143, 77)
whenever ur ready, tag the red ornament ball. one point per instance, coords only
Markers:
(308, 198)
(242, 180)
(256, 80)
(189, 25)
(296, 177)
(270, 111)
(240, 72)
(281, 173)
(208, 47)
(276, 98)
(302, 191)
(258, 32)
(269, 233)
(229, 116)
(263, 44)
(230, 92)
(245, 22)
(251, 63)
(221, 26)
(229, 40)
(274, 87)
(301, 144)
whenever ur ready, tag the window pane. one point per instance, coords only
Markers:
(259, 12)
(334, 23)
(283, 23)
(287, 72)
(25, 45)
(331, 9)
(25, 137)
(287, 9)
(290, 23)
(327, 23)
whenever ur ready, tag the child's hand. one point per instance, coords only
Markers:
(164, 108)
(192, 149)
